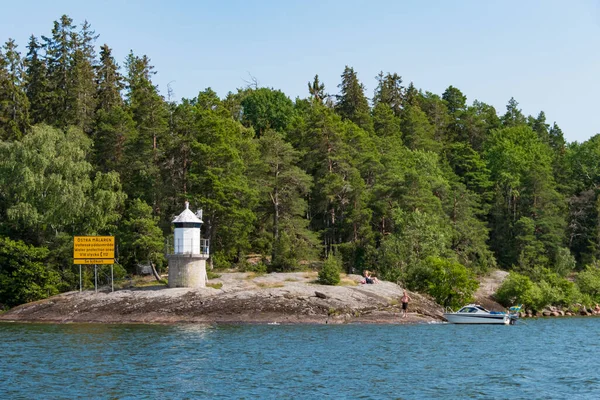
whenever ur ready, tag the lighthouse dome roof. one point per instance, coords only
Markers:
(187, 216)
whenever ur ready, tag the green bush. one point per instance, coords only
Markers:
(519, 289)
(24, 276)
(330, 272)
(552, 289)
(212, 275)
(549, 295)
(418, 276)
(513, 289)
(219, 260)
(588, 281)
(284, 256)
(561, 291)
(450, 283)
(141, 240)
(564, 262)
(258, 268)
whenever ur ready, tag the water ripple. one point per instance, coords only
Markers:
(548, 358)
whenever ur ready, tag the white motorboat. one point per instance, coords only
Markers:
(475, 314)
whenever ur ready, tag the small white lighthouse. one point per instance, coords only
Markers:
(187, 263)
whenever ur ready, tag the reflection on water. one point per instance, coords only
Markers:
(554, 358)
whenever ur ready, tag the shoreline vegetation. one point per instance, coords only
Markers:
(427, 190)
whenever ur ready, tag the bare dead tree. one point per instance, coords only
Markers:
(252, 82)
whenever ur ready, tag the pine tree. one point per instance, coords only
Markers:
(385, 123)
(470, 169)
(109, 81)
(411, 97)
(83, 77)
(59, 58)
(351, 102)
(177, 153)
(141, 239)
(317, 90)
(556, 139)
(455, 100)
(469, 231)
(444, 125)
(14, 105)
(112, 130)
(478, 121)
(389, 91)
(113, 125)
(283, 187)
(418, 133)
(36, 82)
(340, 157)
(218, 180)
(540, 127)
(513, 116)
(149, 113)
(521, 167)
(456, 104)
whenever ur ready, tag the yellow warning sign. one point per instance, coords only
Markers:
(93, 249)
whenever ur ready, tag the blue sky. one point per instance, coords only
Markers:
(544, 53)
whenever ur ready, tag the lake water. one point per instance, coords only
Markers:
(546, 359)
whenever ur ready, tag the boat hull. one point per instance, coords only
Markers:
(499, 319)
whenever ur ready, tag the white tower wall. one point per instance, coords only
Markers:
(187, 241)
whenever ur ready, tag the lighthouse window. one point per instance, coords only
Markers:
(187, 225)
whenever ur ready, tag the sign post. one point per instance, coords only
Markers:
(94, 250)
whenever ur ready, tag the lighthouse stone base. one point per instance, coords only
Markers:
(187, 270)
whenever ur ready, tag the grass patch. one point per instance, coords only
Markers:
(217, 285)
(263, 285)
(332, 312)
(346, 281)
(254, 274)
(145, 284)
(212, 275)
(291, 280)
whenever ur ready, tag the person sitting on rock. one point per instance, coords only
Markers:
(368, 278)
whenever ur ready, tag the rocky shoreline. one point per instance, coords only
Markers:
(280, 298)
(247, 298)
(577, 310)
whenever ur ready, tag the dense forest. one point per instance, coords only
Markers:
(425, 189)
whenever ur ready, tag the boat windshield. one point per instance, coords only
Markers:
(473, 308)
